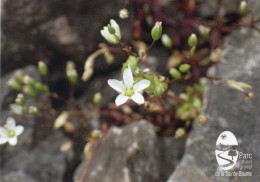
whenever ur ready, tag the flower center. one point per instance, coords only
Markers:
(129, 92)
(11, 133)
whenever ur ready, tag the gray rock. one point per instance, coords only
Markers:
(37, 156)
(228, 110)
(54, 30)
(208, 8)
(132, 153)
(17, 177)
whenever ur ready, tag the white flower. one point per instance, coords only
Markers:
(112, 38)
(128, 89)
(123, 13)
(17, 109)
(10, 131)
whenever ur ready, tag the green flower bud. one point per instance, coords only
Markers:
(111, 29)
(132, 61)
(180, 132)
(193, 40)
(42, 68)
(197, 102)
(157, 31)
(33, 110)
(97, 98)
(71, 72)
(203, 81)
(39, 86)
(29, 80)
(202, 119)
(166, 41)
(175, 73)
(16, 85)
(123, 13)
(184, 68)
(160, 87)
(95, 134)
(20, 99)
(29, 91)
(242, 7)
(204, 31)
(192, 51)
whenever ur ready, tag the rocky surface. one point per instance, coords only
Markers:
(209, 8)
(37, 156)
(228, 7)
(55, 31)
(133, 153)
(228, 110)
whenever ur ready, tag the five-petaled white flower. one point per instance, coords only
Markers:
(10, 131)
(112, 38)
(128, 89)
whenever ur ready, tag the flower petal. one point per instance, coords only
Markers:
(109, 37)
(3, 131)
(10, 123)
(12, 141)
(128, 78)
(121, 99)
(3, 140)
(117, 85)
(18, 130)
(116, 27)
(138, 98)
(141, 85)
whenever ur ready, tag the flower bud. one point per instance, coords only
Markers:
(166, 41)
(180, 132)
(15, 84)
(157, 31)
(97, 98)
(111, 30)
(123, 13)
(29, 80)
(20, 76)
(192, 51)
(197, 102)
(193, 40)
(66, 146)
(202, 119)
(242, 7)
(175, 73)
(95, 134)
(17, 109)
(20, 99)
(39, 86)
(204, 31)
(42, 68)
(71, 72)
(33, 110)
(61, 120)
(184, 68)
(132, 61)
(29, 91)
(160, 87)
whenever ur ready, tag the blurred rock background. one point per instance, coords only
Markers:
(56, 31)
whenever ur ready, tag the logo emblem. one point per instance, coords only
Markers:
(226, 150)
